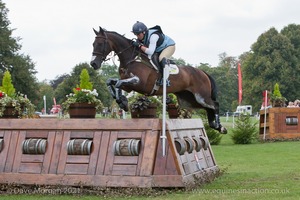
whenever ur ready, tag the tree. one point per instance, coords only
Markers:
(109, 71)
(8, 44)
(245, 131)
(20, 66)
(85, 80)
(272, 59)
(225, 76)
(58, 80)
(7, 86)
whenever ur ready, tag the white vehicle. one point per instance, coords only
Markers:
(247, 109)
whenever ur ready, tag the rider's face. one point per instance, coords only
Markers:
(140, 36)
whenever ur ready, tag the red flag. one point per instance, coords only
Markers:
(240, 83)
(266, 99)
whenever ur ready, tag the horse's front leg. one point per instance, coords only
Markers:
(114, 86)
(116, 93)
(121, 99)
(129, 81)
(111, 82)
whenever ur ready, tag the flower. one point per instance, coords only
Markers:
(83, 96)
(140, 102)
(23, 106)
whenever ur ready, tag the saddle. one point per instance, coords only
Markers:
(155, 61)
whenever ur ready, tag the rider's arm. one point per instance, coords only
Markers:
(152, 45)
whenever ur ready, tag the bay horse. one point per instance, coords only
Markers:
(193, 87)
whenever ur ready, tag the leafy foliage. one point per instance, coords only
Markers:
(85, 80)
(276, 98)
(84, 94)
(67, 85)
(140, 102)
(273, 59)
(7, 86)
(213, 135)
(244, 132)
(8, 97)
(276, 92)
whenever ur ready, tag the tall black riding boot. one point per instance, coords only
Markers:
(162, 65)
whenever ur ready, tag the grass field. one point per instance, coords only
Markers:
(255, 171)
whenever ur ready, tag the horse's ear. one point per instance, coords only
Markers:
(96, 32)
(101, 29)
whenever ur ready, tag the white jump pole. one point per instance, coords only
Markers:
(45, 111)
(265, 117)
(163, 135)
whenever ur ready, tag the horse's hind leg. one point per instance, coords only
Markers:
(214, 118)
(211, 117)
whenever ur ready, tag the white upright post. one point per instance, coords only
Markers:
(123, 111)
(163, 135)
(45, 111)
(265, 117)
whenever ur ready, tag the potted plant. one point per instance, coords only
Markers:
(172, 106)
(142, 106)
(12, 104)
(83, 102)
(174, 109)
(276, 98)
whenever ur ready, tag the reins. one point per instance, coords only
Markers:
(132, 57)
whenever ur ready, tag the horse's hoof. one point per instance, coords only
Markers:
(123, 103)
(223, 130)
(124, 106)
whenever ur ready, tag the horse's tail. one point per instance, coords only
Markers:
(214, 88)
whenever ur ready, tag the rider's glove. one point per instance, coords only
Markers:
(136, 44)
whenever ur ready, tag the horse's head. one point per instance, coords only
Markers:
(101, 48)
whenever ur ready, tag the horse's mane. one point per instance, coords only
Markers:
(145, 57)
(118, 34)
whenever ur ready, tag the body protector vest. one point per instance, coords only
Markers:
(163, 42)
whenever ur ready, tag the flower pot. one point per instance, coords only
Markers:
(172, 111)
(278, 103)
(82, 110)
(149, 112)
(10, 112)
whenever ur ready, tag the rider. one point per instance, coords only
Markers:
(153, 40)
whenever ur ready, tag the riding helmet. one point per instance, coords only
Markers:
(139, 27)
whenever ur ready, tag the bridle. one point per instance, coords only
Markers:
(102, 53)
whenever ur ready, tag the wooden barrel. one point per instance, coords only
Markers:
(204, 142)
(180, 145)
(79, 147)
(82, 110)
(1, 144)
(198, 143)
(34, 146)
(291, 121)
(190, 145)
(127, 147)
